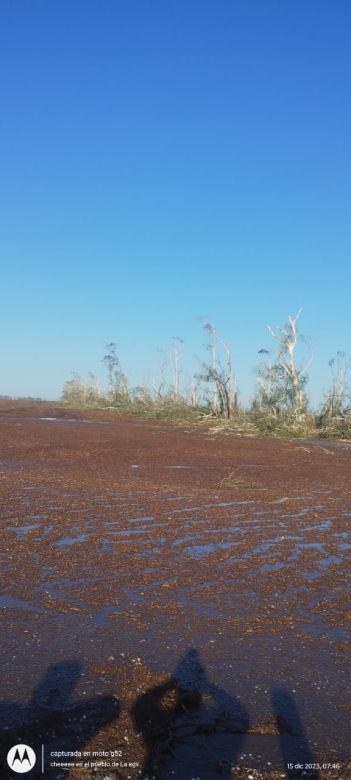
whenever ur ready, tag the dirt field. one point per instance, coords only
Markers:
(178, 598)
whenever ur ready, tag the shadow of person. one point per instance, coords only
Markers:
(51, 718)
(189, 725)
(296, 753)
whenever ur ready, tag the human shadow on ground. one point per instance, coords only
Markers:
(53, 718)
(185, 724)
(192, 728)
(297, 756)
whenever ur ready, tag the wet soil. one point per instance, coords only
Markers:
(181, 599)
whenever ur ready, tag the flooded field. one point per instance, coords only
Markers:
(179, 598)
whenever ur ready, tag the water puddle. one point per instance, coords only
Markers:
(142, 529)
(262, 548)
(187, 509)
(332, 559)
(70, 420)
(203, 550)
(9, 602)
(54, 588)
(154, 552)
(234, 503)
(323, 526)
(101, 617)
(290, 498)
(342, 535)
(312, 575)
(299, 548)
(178, 467)
(183, 540)
(67, 541)
(47, 531)
(317, 626)
(201, 609)
(179, 498)
(22, 530)
(134, 596)
(272, 566)
(290, 537)
(211, 505)
(140, 519)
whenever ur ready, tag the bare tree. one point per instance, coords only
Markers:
(160, 388)
(232, 384)
(117, 380)
(224, 396)
(176, 360)
(269, 393)
(194, 390)
(286, 373)
(336, 404)
(212, 349)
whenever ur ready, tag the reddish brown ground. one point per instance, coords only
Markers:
(180, 597)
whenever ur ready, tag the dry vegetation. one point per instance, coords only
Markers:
(281, 405)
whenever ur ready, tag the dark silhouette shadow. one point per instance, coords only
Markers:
(293, 740)
(190, 726)
(52, 718)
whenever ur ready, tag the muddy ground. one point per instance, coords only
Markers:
(177, 598)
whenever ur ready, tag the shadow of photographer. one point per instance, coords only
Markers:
(53, 719)
(298, 759)
(185, 725)
(190, 726)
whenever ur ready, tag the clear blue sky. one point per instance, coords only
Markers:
(166, 159)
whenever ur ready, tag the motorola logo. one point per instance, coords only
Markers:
(21, 758)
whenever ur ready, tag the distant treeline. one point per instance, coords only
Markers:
(281, 405)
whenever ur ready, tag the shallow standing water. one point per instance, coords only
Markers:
(130, 573)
